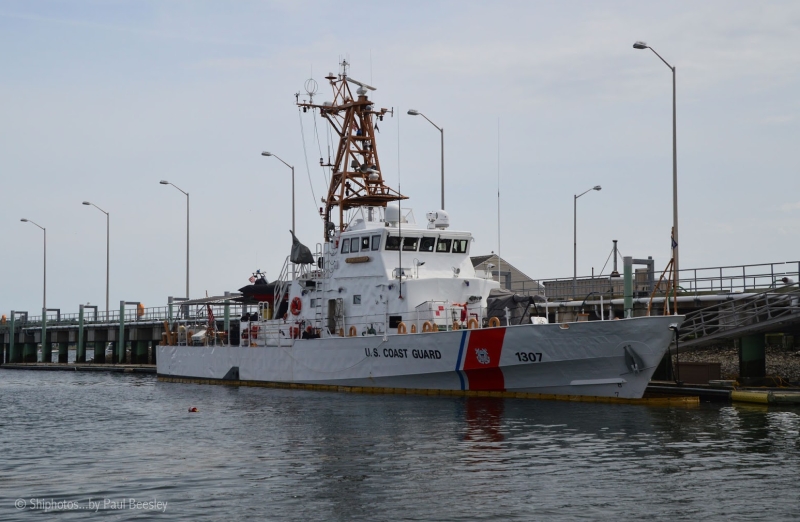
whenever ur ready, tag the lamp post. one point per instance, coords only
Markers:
(164, 182)
(107, 248)
(575, 238)
(44, 285)
(294, 231)
(642, 45)
(291, 167)
(412, 112)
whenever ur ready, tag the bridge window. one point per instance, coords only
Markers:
(357, 299)
(427, 244)
(460, 246)
(345, 246)
(365, 244)
(393, 243)
(354, 244)
(410, 244)
(376, 242)
(443, 245)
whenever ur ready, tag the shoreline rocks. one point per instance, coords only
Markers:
(780, 362)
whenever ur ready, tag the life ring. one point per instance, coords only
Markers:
(427, 326)
(401, 328)
(414, 328)
(472, 323)
(352, 332)
(456, 325)
(297, 305)
(494, 322)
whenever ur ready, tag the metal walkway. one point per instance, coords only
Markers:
(747, 314)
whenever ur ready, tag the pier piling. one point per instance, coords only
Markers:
(752, 358)
(80, 349)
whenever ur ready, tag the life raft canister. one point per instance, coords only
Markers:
(297, 305)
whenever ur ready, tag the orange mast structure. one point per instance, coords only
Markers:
(356, 179)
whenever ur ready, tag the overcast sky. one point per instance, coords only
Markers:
(101, 100)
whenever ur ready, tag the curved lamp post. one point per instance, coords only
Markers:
(164, 182)
(294, 230)
(107, 249)
(575, 238)
(269, 154)
(643, 45)
(413, 112)
(44, 285)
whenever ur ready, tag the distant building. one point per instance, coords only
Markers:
(509, 276)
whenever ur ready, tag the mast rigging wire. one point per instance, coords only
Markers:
(305, 155)
(319, 148)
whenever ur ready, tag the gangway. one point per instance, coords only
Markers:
(744, 314)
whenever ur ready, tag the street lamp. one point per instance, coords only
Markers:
(107, 248)
(44, 285)
(642, 45)
(164, 182)
(294, 231)
(575, 238)
(412, 112)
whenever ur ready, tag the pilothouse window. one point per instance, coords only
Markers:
(354, 244)
(345, 246)
(393, 243)
(443, 245)
(376, 242)
(427, 244)
(460, 246)
(410, 244)
(364, 244)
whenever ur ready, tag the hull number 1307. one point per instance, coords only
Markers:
(529, 356)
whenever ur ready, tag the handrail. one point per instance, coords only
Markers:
(741, 315)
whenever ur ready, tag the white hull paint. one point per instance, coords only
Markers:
(598, 358)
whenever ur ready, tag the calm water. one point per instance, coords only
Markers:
(265, 454)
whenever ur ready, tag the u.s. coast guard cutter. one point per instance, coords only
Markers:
(386, 303)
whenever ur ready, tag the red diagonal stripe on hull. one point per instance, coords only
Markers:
(483, 345)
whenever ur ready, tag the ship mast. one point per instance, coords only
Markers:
(356, 179)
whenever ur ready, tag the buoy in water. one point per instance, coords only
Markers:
(193, 409)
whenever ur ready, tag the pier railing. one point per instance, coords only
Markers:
(691, 281)
(156, 314)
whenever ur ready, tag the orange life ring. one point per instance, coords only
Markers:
(401, 328)
(297, 305)
(472, 323)
(352, 332)
(494, 322)
(414, 328)
(428, 326)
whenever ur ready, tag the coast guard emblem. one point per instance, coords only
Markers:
(482, 355)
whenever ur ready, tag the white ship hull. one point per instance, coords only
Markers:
(598, 358)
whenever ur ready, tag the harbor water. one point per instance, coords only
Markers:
(75, 446)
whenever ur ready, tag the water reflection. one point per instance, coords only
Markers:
(483, 418)
(283, 454)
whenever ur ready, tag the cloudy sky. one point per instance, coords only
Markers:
(101, 100)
